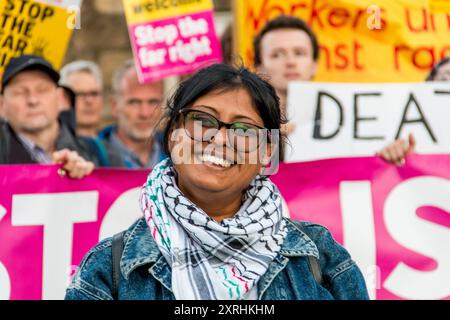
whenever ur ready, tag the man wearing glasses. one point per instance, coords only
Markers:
(137, 108)
(85, 79)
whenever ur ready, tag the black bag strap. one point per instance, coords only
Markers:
(313, 262)
(117, 249)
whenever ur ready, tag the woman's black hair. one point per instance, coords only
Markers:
(436, 68)
(223, 77)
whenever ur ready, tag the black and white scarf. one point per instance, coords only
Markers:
(211, 260)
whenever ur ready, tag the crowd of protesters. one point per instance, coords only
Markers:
(51, 117)
(43, 111)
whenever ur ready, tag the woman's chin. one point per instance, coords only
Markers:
(216, 174)
(210, 184)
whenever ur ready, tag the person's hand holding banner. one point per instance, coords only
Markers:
(75, 166)
(396, 152)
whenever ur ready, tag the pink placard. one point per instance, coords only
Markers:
(174, 46)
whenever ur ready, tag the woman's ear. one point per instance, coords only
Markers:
(170, 142)
(266, 156)
(180, 151)
(265, 160)
(270, 160)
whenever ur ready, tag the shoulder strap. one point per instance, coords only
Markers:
(313, 262)
(117, 249)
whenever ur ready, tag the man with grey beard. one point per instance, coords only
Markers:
(137, 108)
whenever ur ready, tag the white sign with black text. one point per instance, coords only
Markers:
(333, 120)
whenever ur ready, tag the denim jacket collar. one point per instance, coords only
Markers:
(140, 249)
(297, 243)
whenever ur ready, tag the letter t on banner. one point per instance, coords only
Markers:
(57, 213)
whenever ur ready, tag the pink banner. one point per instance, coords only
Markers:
(175, 46)
(394, 220)
(27, 220)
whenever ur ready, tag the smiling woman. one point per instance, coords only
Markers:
(213, 226)
(217, 160)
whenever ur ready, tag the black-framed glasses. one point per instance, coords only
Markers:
(203, 127)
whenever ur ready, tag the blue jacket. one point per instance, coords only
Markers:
(145, 274)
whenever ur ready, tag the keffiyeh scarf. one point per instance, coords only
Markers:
(212, 260)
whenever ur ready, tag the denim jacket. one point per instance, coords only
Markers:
(145, 274)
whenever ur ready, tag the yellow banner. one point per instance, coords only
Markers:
(140, 11)
(32, 27)
(360, 40)
(439, 6)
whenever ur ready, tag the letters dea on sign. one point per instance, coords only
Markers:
(334, 120)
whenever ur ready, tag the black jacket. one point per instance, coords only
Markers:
(12, 151)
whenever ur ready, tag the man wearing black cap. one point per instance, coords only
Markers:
(32, 132)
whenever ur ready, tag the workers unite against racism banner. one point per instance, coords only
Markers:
(40, 27)
(394, 221)
(360, 41)
(171, 38)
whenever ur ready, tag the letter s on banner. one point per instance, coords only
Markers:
(427, 238)
(5, 282)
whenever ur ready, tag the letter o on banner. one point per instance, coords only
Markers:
(5, 287)
(122, 214)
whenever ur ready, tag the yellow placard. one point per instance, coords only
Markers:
(360, 40)
(140, 11)
(32, 27)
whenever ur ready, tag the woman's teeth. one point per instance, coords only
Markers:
(217, 161)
